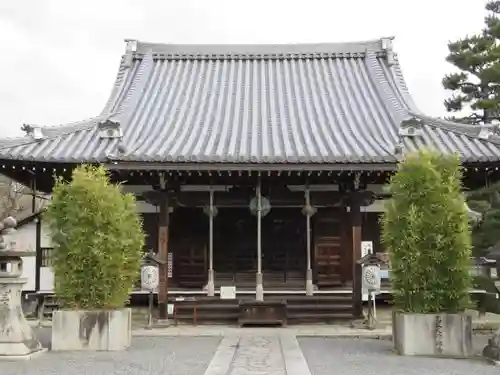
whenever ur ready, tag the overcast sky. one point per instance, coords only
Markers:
(59, 57)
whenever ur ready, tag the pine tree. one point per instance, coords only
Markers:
(477, 85)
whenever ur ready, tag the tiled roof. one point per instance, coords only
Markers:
(256, 104)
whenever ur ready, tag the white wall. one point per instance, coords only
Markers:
(46, 273)
(25, 237)
(376, 206)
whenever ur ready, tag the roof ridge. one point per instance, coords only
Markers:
(412, 111)
(53, 131)
(72, 124)
(282, 50)
(459, 128)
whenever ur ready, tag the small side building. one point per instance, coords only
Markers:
(32, 235)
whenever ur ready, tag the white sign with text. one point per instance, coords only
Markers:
(366, 248)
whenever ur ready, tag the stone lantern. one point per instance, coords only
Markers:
(17, 340)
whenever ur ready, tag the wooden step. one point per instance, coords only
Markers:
(319, 298)
(201, 306)
(213, 316)
(331, 307)
(299, 308)
(330, 316)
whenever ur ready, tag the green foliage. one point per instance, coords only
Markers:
(477, 85)
(98, 241)
(487, 233)
(425, 230)
(486, 302)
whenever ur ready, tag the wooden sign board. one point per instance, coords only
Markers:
(170, 262)
(227, 292)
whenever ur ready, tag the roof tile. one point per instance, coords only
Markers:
(294, 104)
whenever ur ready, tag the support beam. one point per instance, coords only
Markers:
(355, 213)
(259, 288)
(164, 221)
(281, 197)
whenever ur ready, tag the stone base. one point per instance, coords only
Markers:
(259, 287)
(16, 336)
(309, 283)
(99, 330)
(162, 323)
(492, 351)
(447, 335)
(210, 287)
(25, 357)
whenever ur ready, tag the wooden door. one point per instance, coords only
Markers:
(328, 260)
(191, 264)
(188, 239)
(328, 263)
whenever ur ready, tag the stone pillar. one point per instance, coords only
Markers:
(308, 211)
(16, 336)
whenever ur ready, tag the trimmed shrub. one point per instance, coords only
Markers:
(98, 241)
(426, 232)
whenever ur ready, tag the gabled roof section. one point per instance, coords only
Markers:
(340, 103)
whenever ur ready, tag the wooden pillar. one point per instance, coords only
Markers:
(355, 213)
(33, 195)
(38, 235)
(163, 224)
(259, 287)
(39, 253)
(308, 211)
(211, 213)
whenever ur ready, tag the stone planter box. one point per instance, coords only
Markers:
(96, 330)
(448, 335)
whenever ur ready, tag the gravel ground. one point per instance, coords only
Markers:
(191, 356)
(330, 356)
(147, 356)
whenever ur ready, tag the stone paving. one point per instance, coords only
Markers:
(147, 356)
(245, 351)
(330, 356)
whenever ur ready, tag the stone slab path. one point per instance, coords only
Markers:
(258, 355)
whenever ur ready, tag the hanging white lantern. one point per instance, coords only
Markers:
(309, 210)
(213, 212)
(265, 206)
